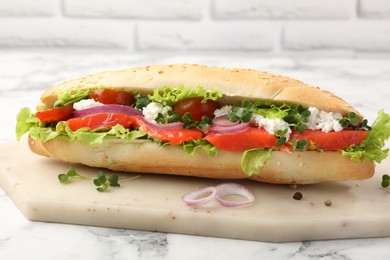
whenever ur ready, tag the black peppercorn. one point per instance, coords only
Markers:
(297, 196)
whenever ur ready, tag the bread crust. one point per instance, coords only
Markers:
(236, 84)
(147, 157)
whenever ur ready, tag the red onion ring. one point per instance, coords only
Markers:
(222, 125)
(191, 198)
(218, 192)
(169, 126)
(223, 121)
(114, 108)
(229, 129)
(225, 189)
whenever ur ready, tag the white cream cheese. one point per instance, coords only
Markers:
(152, 110)
(318, 120)
(223, 111)
(272, 125)
(86, 103)
(324, 121)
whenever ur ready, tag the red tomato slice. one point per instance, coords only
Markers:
(112, 96)
(102, 120)
(248, 139)
(55, 114)
(332, 141)
(196, 108)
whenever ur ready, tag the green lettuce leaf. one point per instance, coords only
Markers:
(253, 160)
(84, 135)
(191, 147)
(169, 95)
(67, 97)
(25, 120)
(46, 133)
(372, 146)
(270, 110)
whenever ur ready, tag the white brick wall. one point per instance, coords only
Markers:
(357, 36)
(275, 27)
(283, 9)
(135, 9)
(27, 7)
(67, 33)
(374, 9)
(226, 36)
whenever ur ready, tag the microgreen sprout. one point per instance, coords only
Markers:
(243, 113)
(188, 123)
(160, 119)
(352, 121)
(365, 125)
(299, 145)
(173, 117)
(280, 141)
(280, 134)
(102, 183)
(142, 101)
(298, 117)
(69, 176)
(205, 122)
(385, 180)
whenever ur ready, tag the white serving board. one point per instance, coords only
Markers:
(153, 202)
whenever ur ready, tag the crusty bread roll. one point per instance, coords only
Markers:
(236, 84)
(145, 156)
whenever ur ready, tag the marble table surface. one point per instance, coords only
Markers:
(364, 83)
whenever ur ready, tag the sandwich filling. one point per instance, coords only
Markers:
(192, 118)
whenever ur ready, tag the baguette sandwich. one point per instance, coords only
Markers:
(202, 121)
